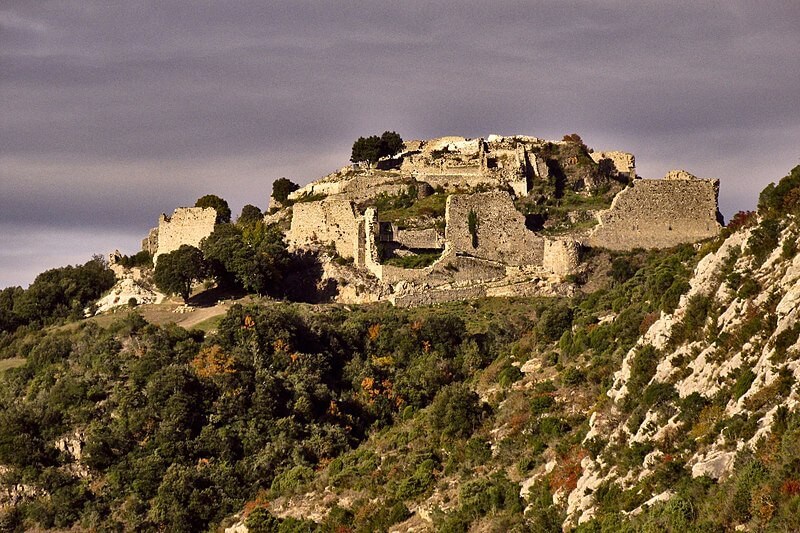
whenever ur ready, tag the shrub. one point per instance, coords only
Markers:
(554, 322)
(496, 493)
(455, 411)
(763, 240)
(290, 481)
(745, 378)
(419, 482)
(572, 376)
(509, 375)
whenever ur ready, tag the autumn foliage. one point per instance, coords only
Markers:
(212, 361)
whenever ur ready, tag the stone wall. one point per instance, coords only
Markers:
(659, 214)
(624, 162)
(501, 232)
(329, 221)
(438, 296)
(419, 239)
(187, 225)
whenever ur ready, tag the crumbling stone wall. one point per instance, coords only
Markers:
(419, 239)
(501, 234)
(187, 225)
(659, 214)
(624, 162)
(329, 221)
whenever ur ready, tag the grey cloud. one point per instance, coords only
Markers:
(114, 113)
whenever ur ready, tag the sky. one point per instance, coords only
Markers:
(114, 112)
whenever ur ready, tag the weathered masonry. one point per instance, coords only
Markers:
(187, 225)
(659, 213)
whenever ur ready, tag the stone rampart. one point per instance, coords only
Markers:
(187, 225)
(624, 162)
(438, 296)
(329, 221)
(659, 214)
(419, 239)
(500, 233)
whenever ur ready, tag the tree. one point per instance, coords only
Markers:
(281, 188)
(176, 271)
(255, 256)
(250, 214)
(373, 148)
(366, 149)
(219, 205)
(391, 143)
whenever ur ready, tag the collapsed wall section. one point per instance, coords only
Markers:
(187, 225)
(329, 221)
(624, 162)
(487, 226)
(659, 214)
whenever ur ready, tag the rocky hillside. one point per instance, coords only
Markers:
(663, 396)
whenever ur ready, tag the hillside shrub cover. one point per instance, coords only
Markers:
(388, 407)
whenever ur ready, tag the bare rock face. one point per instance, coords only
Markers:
(706, 364)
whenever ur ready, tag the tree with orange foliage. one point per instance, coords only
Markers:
(212, 361)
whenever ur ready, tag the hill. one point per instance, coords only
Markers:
(663, 398)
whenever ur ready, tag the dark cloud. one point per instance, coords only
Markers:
(113, 114)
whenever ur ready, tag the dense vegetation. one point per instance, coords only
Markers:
(182, 429)
(388, 409)
(55, 295)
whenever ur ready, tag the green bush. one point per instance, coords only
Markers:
(508, 376)
(572, 376)
(455, 411)
(291, 480)
(743, 382)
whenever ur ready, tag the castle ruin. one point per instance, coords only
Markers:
(487, 231)
(187, 225)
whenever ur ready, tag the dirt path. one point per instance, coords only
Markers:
(203, 313)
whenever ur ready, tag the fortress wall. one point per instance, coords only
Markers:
(659, 214)
(328, 187)
(331, 220)
(561, 256)
(424, 239)
(624, 162)
(501, 233)
(438, 296)
(363, 187)
(187, 225)
(150, 243)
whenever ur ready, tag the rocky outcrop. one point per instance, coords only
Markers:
(747, 348)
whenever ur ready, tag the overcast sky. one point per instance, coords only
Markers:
(113, 112)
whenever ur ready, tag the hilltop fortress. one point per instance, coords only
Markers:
(454, 218)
